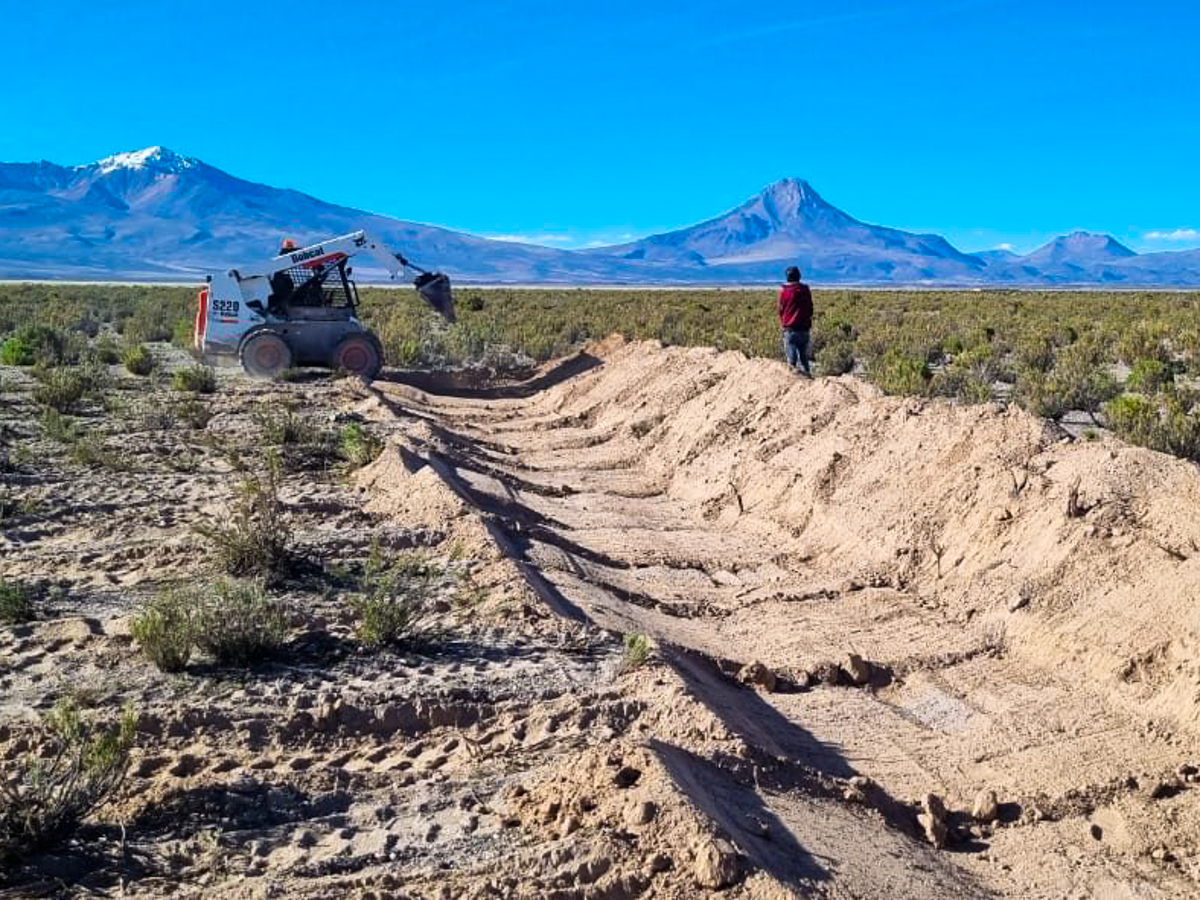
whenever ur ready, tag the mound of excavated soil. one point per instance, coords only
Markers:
(937, 599)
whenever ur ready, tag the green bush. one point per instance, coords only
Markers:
(254, 538)
(199, 379)
(392, 604)
(1149, 376)
(105, 351)
(237, 623)
(58, 427)
(358, 447)
(900, 373)
(836, 357)
(1166, 424)
(638, 650)
(193, 413)
(64, 389)
(32, 345)
(283, 428)
(163, 629)
(16, 606)
(50, 792)
(1134, 419)
(138, 360)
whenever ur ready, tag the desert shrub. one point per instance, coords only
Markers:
(83, 762)
(392, 604)
(58, 427)
(357, 446)
(1149, 376)
(300, 442)
(183, 333)
(1082, 377)
(1134, 419)
(16, 606)
(1079, 379)
(32, 344)
(969, 378)
(237, 622)
(163, 629)
(137, 359)
(1143, 340)
(192, 412)
(105, 350)
(836, 357)
(898, 372)
(283, 427)
(199, 379)
(64, 389)
(89, 450)
(637, 651)
(1166, 424)
(254, 538)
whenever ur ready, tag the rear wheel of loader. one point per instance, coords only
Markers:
(265, 355)
(358, 354)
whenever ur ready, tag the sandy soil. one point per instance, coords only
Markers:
(867, 613)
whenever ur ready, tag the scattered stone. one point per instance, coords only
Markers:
(626, 777)
(857, 669)
(640, 813)
(828, 673)
(987, 807)
(716, 864)
(932, 819)
(757, 674)
(304, 837)
(659, 862)
(1020, 601)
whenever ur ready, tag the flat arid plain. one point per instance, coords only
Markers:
(548, 612)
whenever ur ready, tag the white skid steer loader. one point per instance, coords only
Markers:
(299, 309)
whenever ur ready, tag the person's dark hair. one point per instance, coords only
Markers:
(793, 274)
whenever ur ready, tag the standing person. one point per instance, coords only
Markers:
(795, 316)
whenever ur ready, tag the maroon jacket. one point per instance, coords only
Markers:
(795, 306)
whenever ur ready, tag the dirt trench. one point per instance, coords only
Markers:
(1025, 607)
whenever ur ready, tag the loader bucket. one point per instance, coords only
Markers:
(434, 288)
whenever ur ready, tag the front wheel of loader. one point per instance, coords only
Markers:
(358, 354)
(265, 355)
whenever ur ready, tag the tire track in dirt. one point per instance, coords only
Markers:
(691, 495)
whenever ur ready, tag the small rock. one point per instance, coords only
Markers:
(716, 864)
(828, 673)
(1020, 601)
(626, 777)
(640, 813)
(987, 807)
(304, 837)
(932, 819)
(570, 825)
(659, 862)
(757, 674)
(857, 669)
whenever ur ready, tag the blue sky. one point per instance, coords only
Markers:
(990, 122)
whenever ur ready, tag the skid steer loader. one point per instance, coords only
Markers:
(299, 309)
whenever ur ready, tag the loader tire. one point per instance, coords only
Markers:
(358, 354)
(265, 355)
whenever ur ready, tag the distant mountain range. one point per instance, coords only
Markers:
(156, 215)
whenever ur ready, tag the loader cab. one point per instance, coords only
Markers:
(319, 290)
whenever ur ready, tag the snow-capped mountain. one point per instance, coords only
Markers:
(156, 214)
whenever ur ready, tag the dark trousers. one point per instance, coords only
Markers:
(795, 349)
